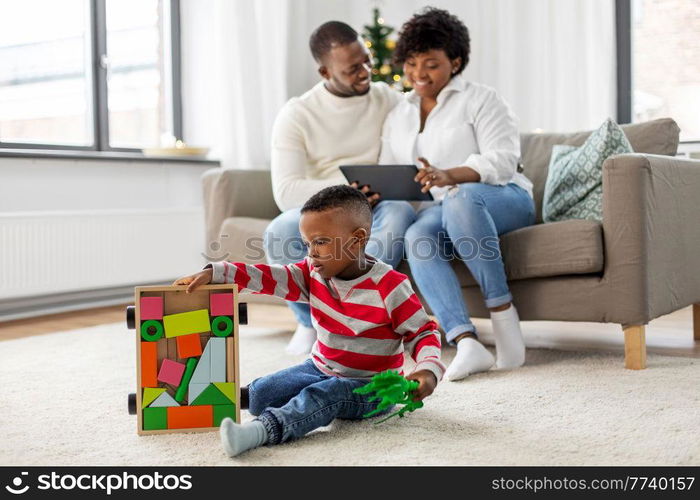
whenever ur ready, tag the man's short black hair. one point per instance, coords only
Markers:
(433, 29)
(328, 34)
(342, 196)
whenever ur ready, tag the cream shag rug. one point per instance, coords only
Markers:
(63, 402)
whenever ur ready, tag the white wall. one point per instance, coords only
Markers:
(82, 225)
(52, 184)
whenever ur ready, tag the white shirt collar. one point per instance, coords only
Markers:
(457, 83)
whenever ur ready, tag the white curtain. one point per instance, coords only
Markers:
(552, 60)
(250, 79)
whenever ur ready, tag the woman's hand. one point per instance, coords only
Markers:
(195, 280)
(429, 176)
(372, 197)
(426, 384)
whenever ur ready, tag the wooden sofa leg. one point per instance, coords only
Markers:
(635, 348)
(696, 322)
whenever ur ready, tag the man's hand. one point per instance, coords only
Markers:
(195, 280)
(429, 176)
(372, 197)
(426, 384)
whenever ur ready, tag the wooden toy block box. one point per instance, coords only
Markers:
(187, 377)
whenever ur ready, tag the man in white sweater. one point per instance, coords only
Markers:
(338, 122)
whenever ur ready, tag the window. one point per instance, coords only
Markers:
(45, 90)
(105, 77)
(660, 74)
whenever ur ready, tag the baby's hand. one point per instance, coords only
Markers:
(195, 280)
(426, 384)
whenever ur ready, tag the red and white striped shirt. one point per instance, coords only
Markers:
(363, 324)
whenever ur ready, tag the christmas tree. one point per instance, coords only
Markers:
(382, 48)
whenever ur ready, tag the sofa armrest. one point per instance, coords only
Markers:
(651, 230)
(235, 193)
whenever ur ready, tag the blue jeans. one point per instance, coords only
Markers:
(466, 224)
(297, 400)
(283, 244)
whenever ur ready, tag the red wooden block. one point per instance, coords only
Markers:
(189, 346)
(151, 308)
(221, 304)
(171, 372)
(149, 364)
(188, 417)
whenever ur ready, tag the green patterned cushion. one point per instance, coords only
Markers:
(574, 187)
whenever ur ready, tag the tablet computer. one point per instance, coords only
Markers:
(394, 182)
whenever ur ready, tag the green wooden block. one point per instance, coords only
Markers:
(223, 411)
(155, 418)
(186, 323)
(182, 388)
(211, 396)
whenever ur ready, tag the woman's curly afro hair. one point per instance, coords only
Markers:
(433, 29)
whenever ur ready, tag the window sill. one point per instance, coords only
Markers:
(101, 155)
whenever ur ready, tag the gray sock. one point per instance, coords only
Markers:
(238, 438)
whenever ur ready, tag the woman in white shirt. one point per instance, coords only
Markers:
(465, 140)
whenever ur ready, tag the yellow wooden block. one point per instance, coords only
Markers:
(228, 388)
(186, 323)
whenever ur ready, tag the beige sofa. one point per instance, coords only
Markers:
(643, 261)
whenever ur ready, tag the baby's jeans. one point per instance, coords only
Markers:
(297, 400)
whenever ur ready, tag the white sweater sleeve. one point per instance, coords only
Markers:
(289, 164)
(498, 138)
(386, 155)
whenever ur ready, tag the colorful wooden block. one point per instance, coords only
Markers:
(186, 323)
(149, 364)
(164, 399)
(151, 330)
(189, 346)
(182, 388)
(222, 326)
(223, 411)
(221, 304)
(171, 372)
(228, 389)
(151, 308)
(218, 360)
(155, 419)
(188, 417)
(150, 394)
(210, 396)
(230, 368)
(195, 390)
(202, 373)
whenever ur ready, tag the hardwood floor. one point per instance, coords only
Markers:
(669, 335)
(61, 322)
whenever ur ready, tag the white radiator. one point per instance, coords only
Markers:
(47, 253)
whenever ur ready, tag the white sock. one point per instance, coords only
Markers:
(471, 357)
(510, 346)
(238, 438)
(302, 340)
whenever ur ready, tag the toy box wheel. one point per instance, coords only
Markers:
(242, 313)
(130, 317)
(132, 404)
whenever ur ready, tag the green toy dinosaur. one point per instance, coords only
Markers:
(391, 388)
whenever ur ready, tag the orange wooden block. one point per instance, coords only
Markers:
(149, 364)
(189, 346)
(188, 417)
